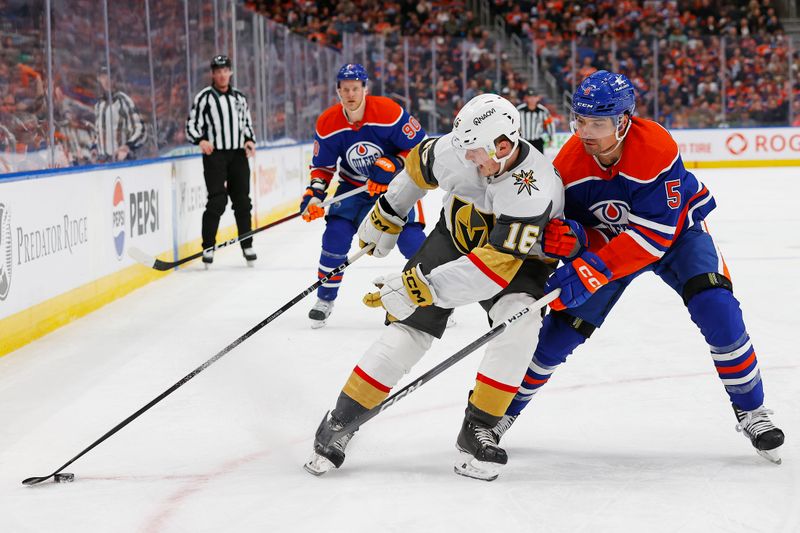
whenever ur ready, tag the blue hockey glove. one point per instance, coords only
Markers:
(578, 280)
(564, 239)
(381, 173)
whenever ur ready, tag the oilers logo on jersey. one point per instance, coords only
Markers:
(613, 214)
(362, 155)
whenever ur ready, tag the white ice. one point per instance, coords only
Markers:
(634, 433)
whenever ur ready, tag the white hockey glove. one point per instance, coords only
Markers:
(401, 294)
(381, 227)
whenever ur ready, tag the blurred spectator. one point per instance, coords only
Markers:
(119, 128)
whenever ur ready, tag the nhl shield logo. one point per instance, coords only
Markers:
(361, 155)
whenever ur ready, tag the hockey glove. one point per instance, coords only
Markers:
(381, 227)
(381, 173)
(578, 280)
(315, 194)
(401, 294)
(564, 239)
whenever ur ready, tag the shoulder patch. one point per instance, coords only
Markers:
(419, 164)
(525, 181)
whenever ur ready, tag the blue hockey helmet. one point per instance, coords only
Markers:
(352, 71)
(604, 94)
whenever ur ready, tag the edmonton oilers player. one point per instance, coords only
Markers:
(632, 207)
(370, 137)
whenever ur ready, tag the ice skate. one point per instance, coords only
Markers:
(451, 322)
(479, 455)
(208, 258)
(500, 429)
(326, 458)
(249, 256)
(320, 312)
(763, 435)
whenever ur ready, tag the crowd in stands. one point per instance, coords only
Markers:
(689, 43)
(431, 55)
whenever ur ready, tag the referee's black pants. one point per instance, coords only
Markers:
(227, 173)
(538, 144)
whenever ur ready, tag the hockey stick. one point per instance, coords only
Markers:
(193, 373)
(148, 260)
(360, 420)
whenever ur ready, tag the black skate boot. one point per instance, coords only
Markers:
(480, 456)
(763, 435)
(504, 425)
(325, 458)
(250, 256)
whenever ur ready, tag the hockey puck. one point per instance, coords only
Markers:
(64, 478)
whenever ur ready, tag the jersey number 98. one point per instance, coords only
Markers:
(411, 127)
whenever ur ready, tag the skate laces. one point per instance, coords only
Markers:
(504, 424)
(755, 422)
(485, 436)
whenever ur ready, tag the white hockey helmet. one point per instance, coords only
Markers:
(481, 121)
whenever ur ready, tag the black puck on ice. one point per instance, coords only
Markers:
(64, 478)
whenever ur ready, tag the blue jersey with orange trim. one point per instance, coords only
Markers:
(634, 210)
(386, 128)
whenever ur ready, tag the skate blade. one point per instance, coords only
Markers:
(251, 264)
(773, 456)
(467, 465)
(206, 266)
(451, 322)
(318, 465)
(316, 324)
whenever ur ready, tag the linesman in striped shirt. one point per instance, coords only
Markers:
(119, 128)
(220, 124)
(535, 121)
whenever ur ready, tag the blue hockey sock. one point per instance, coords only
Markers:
(410, 239)
(557, 339)
(336, 243)
(716, 312)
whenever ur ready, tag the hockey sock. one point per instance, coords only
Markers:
(557, 339)
(335, 244)
(716, 312)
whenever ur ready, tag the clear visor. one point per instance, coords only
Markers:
(593, 127)
(474, 157)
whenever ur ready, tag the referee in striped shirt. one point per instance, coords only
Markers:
(118, 126)
(535, 120)
(220, 124)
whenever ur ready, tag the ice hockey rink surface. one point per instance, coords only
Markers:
(634, 433)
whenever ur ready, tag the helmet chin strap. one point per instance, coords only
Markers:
(618, 138)
(504, 160)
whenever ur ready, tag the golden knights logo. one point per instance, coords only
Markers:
(470, 227)
(524, 180)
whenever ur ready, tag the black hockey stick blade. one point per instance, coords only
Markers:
(357, 422)
(36, 480)
(147, 260)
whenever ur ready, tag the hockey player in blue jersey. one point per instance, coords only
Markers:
(369, 136)
(631, 211)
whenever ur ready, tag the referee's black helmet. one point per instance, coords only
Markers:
(220, 61)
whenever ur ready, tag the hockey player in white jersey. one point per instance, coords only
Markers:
(499, 194)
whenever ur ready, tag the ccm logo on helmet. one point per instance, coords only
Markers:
(477, 120)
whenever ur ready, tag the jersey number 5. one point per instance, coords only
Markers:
(411, 127)
(527, 238)
(673, 194)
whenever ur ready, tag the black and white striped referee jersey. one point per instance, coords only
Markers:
(116, 124)
(223, 119)
(534, 123)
